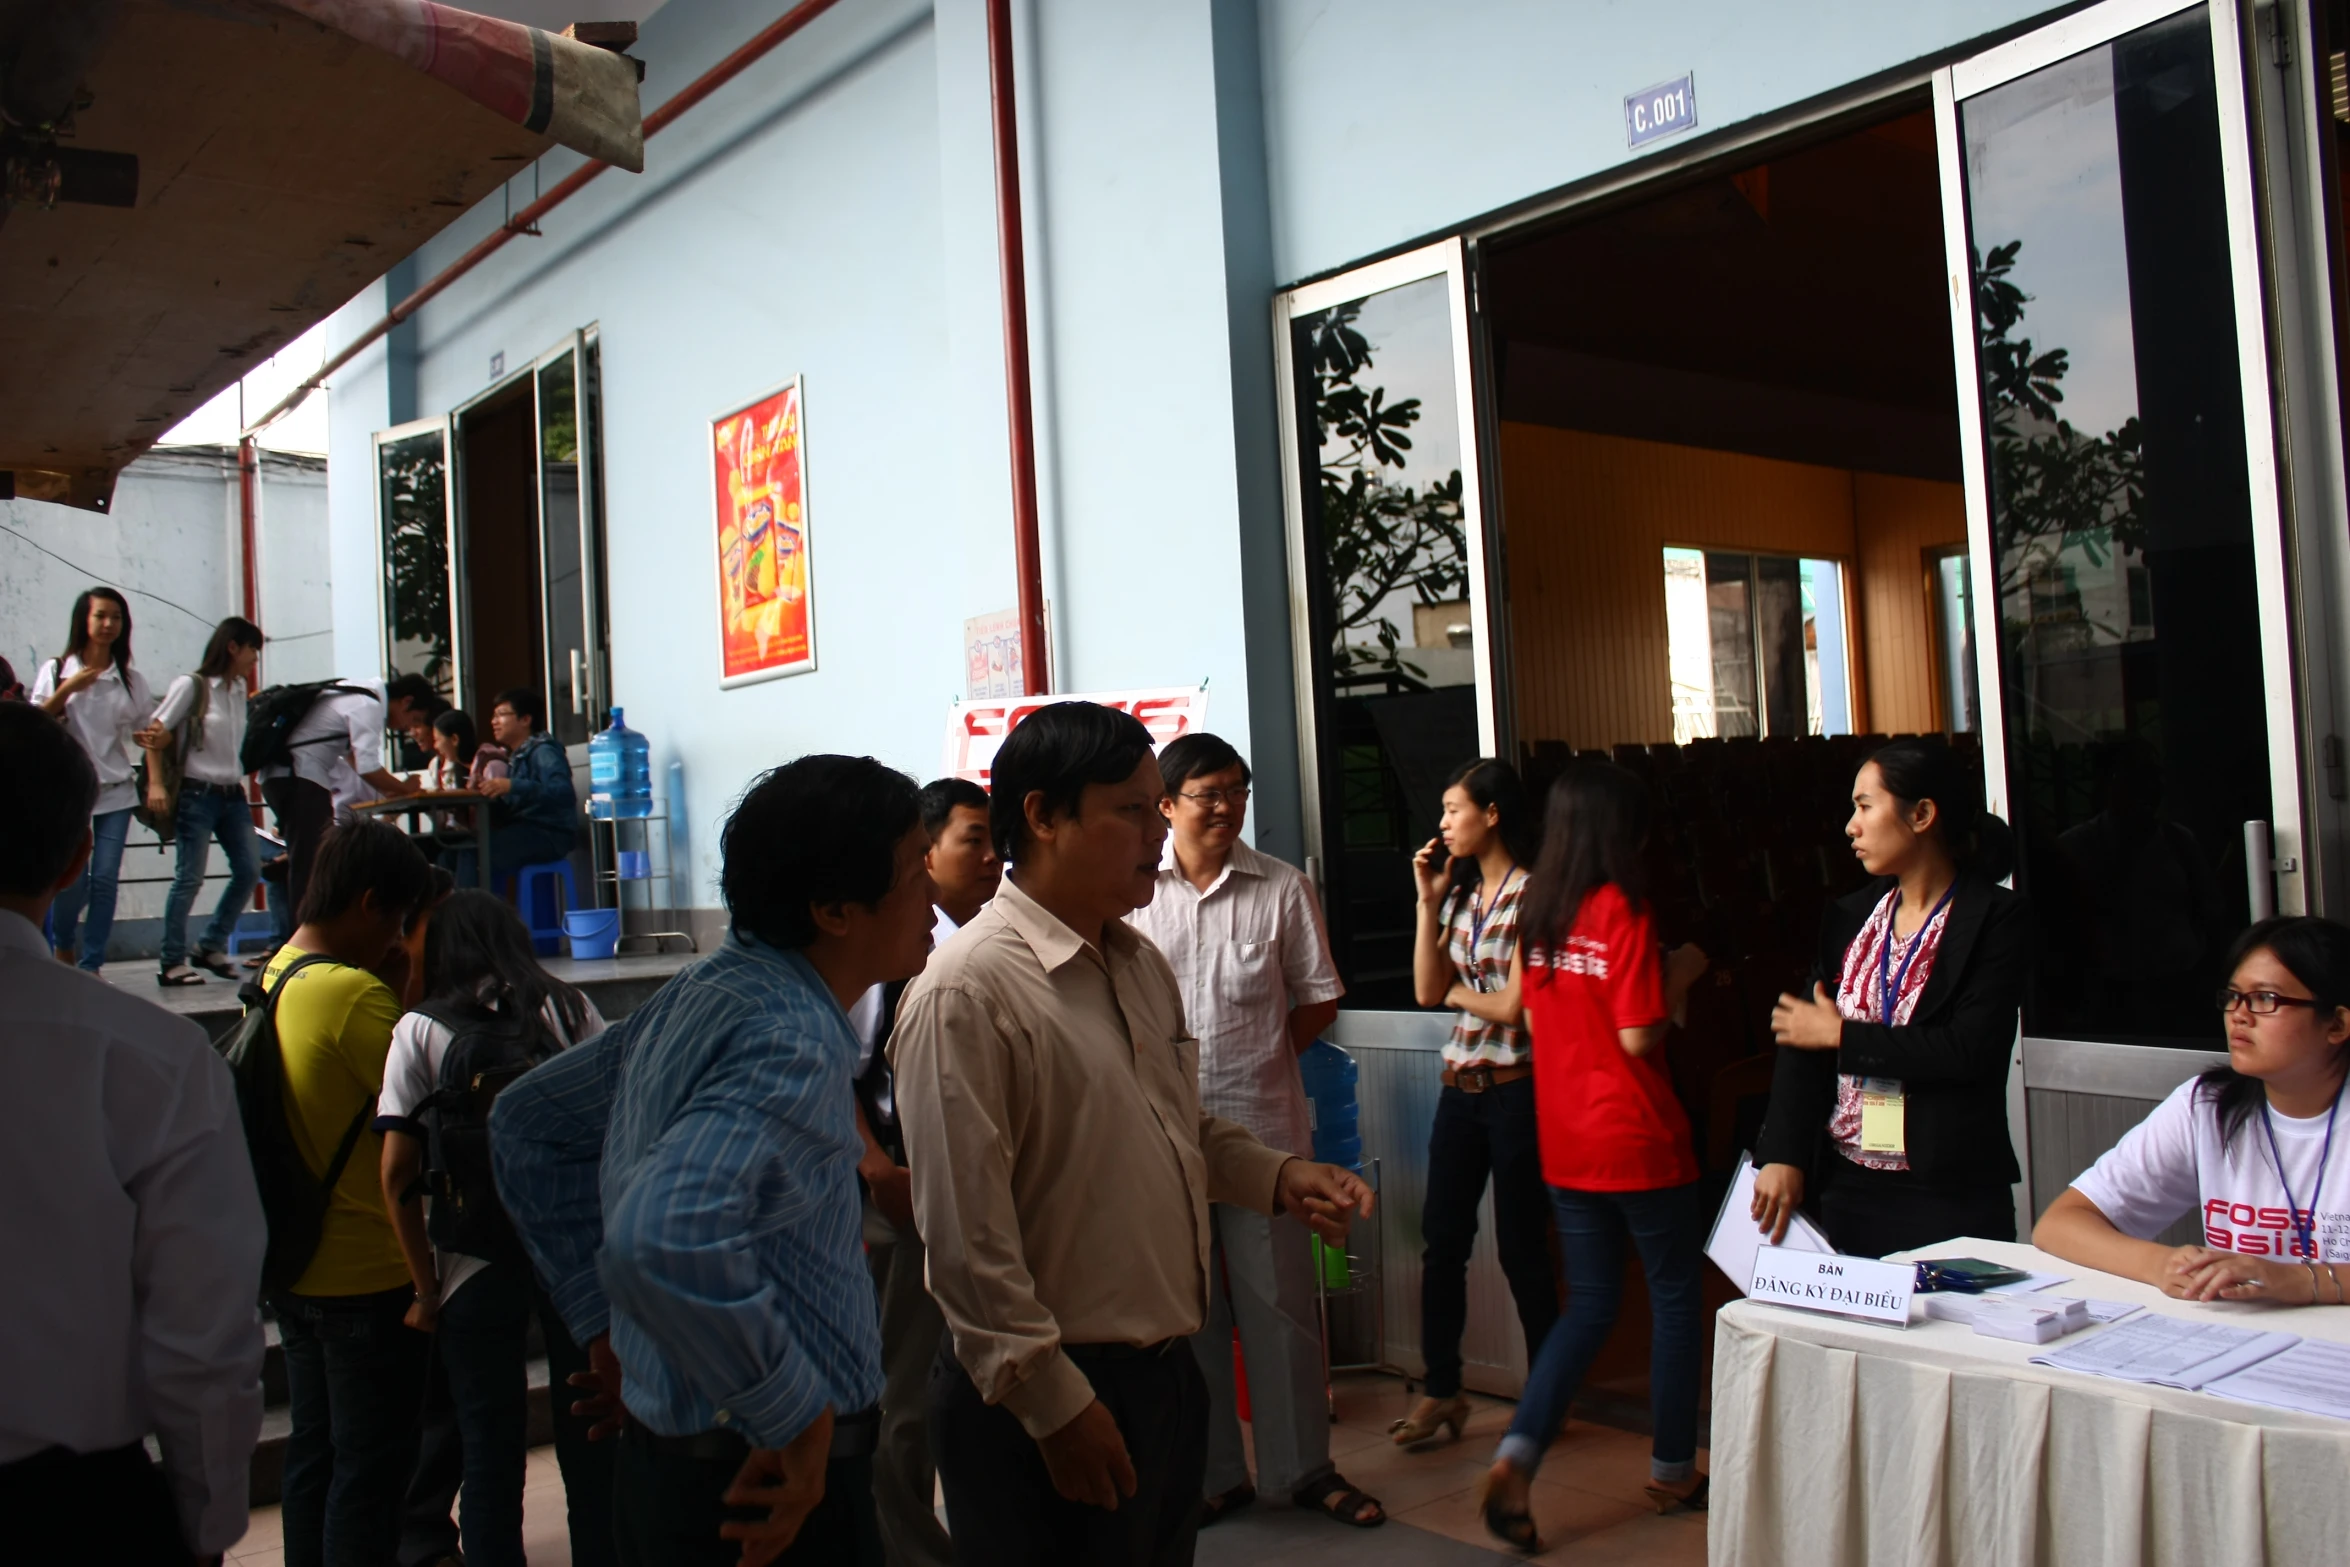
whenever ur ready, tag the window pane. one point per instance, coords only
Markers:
(568, 679)
(1729, 599)
(413, 475)
(1778, 637)
(1827, 680)
(1689, 647)
(2122, 529)
(1954, 619)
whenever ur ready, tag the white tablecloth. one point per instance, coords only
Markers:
(1842, 1444)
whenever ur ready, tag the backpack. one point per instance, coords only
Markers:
(293, 1201)
(488, 1050)
(270, 719)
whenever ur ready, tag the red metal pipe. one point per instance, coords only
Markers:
(526, 221)
(248, 537)
(1027, 557)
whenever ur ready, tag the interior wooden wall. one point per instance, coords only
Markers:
(1588, 518)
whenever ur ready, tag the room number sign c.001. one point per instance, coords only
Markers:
(1666, 109)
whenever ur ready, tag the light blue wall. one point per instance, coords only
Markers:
(1392, 119)
(831, 213)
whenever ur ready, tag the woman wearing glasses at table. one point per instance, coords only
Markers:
(1889, 1098)
(2249, 1147)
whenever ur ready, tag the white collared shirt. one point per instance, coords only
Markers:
(1246, 951)
(209, 757)
(134, 1237)
(340, 738)
(103, 716)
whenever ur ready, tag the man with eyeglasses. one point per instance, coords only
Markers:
(1244, 934)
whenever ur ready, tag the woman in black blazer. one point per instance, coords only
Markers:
(1889, 1100)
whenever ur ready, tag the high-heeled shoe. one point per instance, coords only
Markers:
(1666, 1498)
(1514, 1527)
(1424, 1424)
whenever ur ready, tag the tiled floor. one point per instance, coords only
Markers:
(1587, 1502)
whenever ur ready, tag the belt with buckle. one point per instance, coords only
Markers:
(1477, 1079)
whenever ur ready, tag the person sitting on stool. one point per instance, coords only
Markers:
(536, 818)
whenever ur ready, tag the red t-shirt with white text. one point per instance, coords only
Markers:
(1608, 1122)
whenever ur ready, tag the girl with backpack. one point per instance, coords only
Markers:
(203, 719)
(104, 702)
(490, 1012)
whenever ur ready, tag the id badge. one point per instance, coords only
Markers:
(1883, 1116)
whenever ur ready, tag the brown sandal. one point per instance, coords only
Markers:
(1424, 1424)
(1215, 1509)
(1332, 1495)
(1667, 1499)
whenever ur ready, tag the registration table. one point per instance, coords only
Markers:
(414, 806)
(1839, 1443)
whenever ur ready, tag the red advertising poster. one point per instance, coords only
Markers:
(766, 615)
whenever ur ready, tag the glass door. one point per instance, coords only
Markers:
(1388, 612)
(415, 527)
(2127, 571)
(570, 542)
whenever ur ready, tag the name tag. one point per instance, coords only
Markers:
(1840, 1286)
(1883, 1116)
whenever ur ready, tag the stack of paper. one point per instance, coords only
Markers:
(2168, 1351)
(2312, 1376)
(1736, 1240)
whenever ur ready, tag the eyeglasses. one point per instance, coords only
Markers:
(2260, 1003)
(1206, 799)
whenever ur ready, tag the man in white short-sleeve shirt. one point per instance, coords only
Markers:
(1243, 932)
(337, 759)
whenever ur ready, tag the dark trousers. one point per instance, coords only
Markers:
(1476, 1136)
(1668, 1226)
(428, 1519)
(304, 812)
(666, 1510)
(1870, 1213)
(111, 1507)
(355, 1387)
(1001, 1506)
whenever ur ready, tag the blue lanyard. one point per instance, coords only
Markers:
(2305, 1230)
(1477, 918)
(1888, 982)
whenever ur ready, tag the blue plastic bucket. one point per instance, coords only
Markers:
(594, 933)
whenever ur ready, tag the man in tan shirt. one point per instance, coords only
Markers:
(1062, 1169)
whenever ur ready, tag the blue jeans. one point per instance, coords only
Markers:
(355, 1390)
(95, 891)
(1668, 1225)
(204, 814)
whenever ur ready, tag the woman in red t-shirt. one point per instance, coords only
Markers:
(1616, 1148)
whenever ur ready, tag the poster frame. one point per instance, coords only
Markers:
(798, 386)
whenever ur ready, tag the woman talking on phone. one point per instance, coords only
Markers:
(1471, 877)
(2249, 1147)
(1889, 1100)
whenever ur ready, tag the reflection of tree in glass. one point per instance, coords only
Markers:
(1378, 535)
(417, 550)
(2055, 491)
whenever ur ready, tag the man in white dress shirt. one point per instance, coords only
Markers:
(1244, 934)
(337, 761)
(131, 1221)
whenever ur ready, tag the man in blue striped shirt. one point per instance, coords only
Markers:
(687, 1185)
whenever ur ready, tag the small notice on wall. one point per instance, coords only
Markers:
(976, 729)
(991, 655)
(1667, 109)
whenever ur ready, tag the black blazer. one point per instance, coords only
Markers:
(1951, 1057)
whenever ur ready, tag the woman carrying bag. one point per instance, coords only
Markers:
(92, 687)
(1889, 1099)
(1471, 877)
(202, 724)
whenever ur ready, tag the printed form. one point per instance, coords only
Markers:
(2168, 1351)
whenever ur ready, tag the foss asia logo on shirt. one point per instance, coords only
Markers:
(2268, 1232)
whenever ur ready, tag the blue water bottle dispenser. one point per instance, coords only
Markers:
(620, 772)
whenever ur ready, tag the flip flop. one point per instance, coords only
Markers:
(1214, 1509)
(1334, 1496)
(181, 975)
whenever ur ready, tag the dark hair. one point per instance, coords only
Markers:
(941, 796)
(47, 787)
(1056, 752)
(821, 830)
(357, 858)
(416, 691)
(1494, 785)
(526, 705)
(1927, 769)
(456, 721)
(1195, 755)
(1593, 829)
(78, 635)
(2314, 951)
(231, 634)
(477, 954)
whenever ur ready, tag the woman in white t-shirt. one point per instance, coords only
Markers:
(105, 702)
(203, 719)
(2250, 1148)
(478, 965)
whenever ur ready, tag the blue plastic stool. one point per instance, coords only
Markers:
(256, 931)
(546, 936)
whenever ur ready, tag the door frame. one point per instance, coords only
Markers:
(1448, 259)
(594, 695)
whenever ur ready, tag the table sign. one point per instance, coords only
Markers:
(1663, 110)
(1842, 1286)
